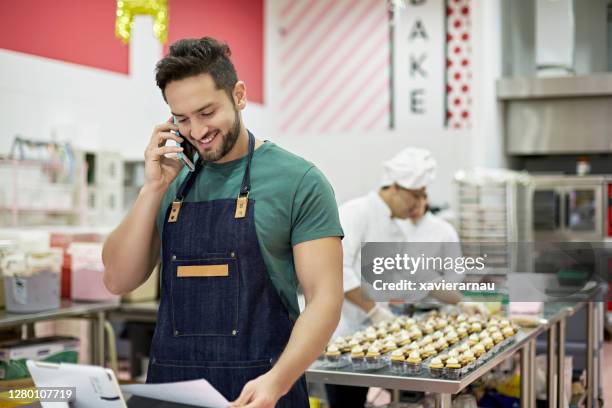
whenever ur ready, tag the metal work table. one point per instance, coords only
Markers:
(553, 321)
(138, 311)
(94, 311)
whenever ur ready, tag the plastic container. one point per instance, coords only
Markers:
(32, 281)
(87, 272)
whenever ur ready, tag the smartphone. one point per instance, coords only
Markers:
(187, 155)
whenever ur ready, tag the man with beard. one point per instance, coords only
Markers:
(235, 237)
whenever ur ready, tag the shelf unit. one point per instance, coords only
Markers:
(29, 197)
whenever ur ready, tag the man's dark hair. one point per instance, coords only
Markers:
(190, 57)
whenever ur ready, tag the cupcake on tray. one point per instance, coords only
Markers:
(413, 363)
(475, 327)
(507, 332)
(358, 357)
(395, 327)
(437, 335)
(403, 338)
(453, 368)
(488, 343)
(462, 332)
(372, 356)
(398, 361)
(478, 350)
(332, 354)
(436, 367)
(429, 328)
(441, 345)
(473, 339)
(452, 338)
(467, 360)
(389, 346)
(416, 333)
(428, 351)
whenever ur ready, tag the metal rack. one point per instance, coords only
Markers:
(493, 209)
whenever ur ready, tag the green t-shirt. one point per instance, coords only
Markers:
(294, 203)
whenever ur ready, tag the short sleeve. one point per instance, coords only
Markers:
(314, 212)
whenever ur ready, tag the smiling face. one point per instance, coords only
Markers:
(207, 117)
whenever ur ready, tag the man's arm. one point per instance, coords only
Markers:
(132, 249)
(318, 265)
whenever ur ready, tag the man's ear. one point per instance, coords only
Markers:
(239, 95)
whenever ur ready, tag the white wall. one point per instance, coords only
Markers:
(102, 110)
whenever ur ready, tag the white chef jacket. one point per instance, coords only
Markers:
(368, 219)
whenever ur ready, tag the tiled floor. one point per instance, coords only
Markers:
(606, 382)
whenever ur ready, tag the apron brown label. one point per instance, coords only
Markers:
(202, 271)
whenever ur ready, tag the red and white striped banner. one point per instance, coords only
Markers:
(334, 66)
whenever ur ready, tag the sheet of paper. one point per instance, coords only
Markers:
(194, 392)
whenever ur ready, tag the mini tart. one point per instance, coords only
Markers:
(473, 339)
(437, 335)
(488, 343)
(448, 329)
(436, 363)
(508, 331)
(483, 335)
(414, 358)
(443, 357)
(504, 323)
(381, 333)
(397, 356)
(492, 328)
(473, 319)
(462, 318)
(453, 363)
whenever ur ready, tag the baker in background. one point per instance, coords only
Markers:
(395, 212)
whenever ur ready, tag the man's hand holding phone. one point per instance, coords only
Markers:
(160, 170)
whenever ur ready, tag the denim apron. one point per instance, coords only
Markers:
(220, 317)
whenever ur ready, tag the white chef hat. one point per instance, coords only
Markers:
(412, 168)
